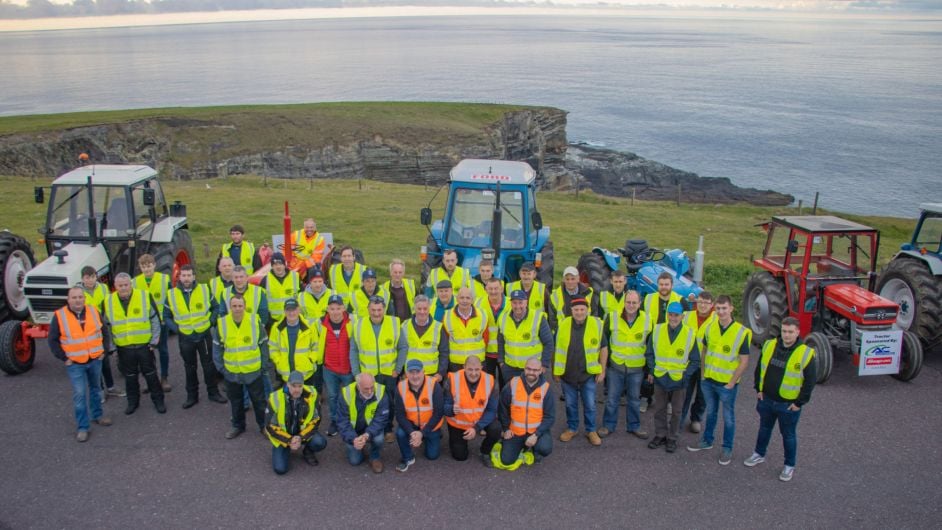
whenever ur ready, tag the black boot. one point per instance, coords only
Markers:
(130, 408)
(216, 397)
(191, 400)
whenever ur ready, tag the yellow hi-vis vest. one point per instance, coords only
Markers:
(672, 357)
(465, 339)
(424, 347)
(345, 289)
(493, 321)
(794, 374)
(408, 285)
(280, 291)
(690, 320)
(627, 344)
(722, 350)
(610, 302)
(537, 294)
(158, 288)
(591, 343)
(130, 328)
(217, 288)
(308, 246)
(521, 341)
(360, 302)
(306, 349)
(459, 278)
(246, 253)
(241, 354)
(377, 354)
(350, 396)
(278, 405)
(193, 317)
(653, 308)
(314, 308)
(97, 296)
(480, 290)
(559, 301)
(252, 297)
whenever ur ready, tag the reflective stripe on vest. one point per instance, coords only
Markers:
(468, 409)
(692, 321)
(627, 344)
(609, 302)
(653, 308)
(722, 354)
(80, 343)
(465, 339)
(242, 354)
(129, 328)
(277, 403)
(217, 288)
(521, 341)
(158, 288)
(97, 296)
(246, 253)
(591, 341)
(419, 411)
(459, 277)
(193, 317)
(493, 322)
(672, 357)
(559, 301)
(280, 292)
(535, 297)
(252, 297)
(360, 302)
(526, 410)
(308, 246)
(794, 375)
(425, 347)
(343, 288)
(306, 350)
(350, 393)
(377, 354)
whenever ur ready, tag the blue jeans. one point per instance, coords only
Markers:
(356, 457)
(770, 411)
(433, 444)
(572, 394)
(334, 383)
(714, 394)
(617, 381)
(85, 378)
(281, 456)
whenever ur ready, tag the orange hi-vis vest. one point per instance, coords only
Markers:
(526, 410)
(80, 344)
(419, 411)
(468, 409)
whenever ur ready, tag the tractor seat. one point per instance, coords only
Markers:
(633, 247)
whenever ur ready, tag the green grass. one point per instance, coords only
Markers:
(383, 220)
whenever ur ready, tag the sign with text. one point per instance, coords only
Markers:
(880, 352)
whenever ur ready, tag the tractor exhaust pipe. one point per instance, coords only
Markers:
(288, 247)
(698, 264)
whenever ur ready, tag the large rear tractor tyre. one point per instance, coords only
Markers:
(433, 258)
(545, 272)
(909, 283)
(594, 272)
(175, 254)
(823, 355)
(763, 306)
(910, 358)
(16, 259)
(17, 351)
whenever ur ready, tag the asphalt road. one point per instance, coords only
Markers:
(869, 457)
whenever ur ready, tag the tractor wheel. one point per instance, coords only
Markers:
(909, 283)
(594, 272)
(545, 273)
(175, 254)
(431, 261)
(763, 306)
(17, 351)
(823, 355)
(16, 259)
(910, 358)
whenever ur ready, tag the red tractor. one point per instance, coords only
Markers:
(822, 271)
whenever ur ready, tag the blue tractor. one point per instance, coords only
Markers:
(490, 214)
(643, 265)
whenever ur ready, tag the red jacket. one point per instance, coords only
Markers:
(337, 346)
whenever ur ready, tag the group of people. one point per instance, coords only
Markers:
(399, 363)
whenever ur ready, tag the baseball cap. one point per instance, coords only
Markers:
(335, 299)
(295, 378)
(278, 256)
(517, 294)
(414, 364)
(369, 273)
(444, 284)
(314, 272)
(291, 303)
(571, 271)
(675, 307)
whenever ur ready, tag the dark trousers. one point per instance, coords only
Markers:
(492, 367)
(459, 446)
(509, 372)
(106, 371)
(202, 350)
(389, 382)
(256, 390)
(134, 360)
(664, 426)
(510, 449)
(694, 394)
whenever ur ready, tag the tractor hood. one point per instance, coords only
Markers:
(860, 305)
(47, 284)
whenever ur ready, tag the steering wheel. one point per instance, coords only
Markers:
(294, 248)
(648, 255)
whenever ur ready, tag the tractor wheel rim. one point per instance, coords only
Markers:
(13, 278)
(22, 349)
(760, 311)
(898, 291)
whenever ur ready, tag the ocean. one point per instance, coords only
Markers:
(849, 108)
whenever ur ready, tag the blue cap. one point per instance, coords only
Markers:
(414, 364)
(278, 256)
(335, 299)
(675, 307)
(369, 273)
(295, 378)
(518, 294)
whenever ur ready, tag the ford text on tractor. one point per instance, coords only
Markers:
(822, 271)
(490, 214)
(913, 278)
(643, 264)
(103, 216)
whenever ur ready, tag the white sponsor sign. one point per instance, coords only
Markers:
(880, 352)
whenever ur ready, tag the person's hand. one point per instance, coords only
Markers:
(650, 379)
(729, 386)
(794, 408)
(359, 442)
(508, 434)
(531, 440)
(68, 362)
(600, 377)
(469, 434)
(437, 378)
(556, 378)
(415, 439)
(395, 374)
(760, 396)
(295, 443)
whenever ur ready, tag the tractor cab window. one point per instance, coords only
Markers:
(930, 234)
(472, 214)
(839, 256)
(777, 244)
(68, 215)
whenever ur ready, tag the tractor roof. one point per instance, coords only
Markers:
(106, 175)
(934, 207)
(503, 171)
(822, 223)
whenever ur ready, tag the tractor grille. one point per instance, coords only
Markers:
(54, 280)
(879, 314)
(46, 291)
(40, 305)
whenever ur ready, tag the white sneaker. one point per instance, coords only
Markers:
(644, 406)
(787, 473)
(670, 409)
(754, 460)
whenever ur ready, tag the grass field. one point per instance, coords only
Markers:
(383, 220)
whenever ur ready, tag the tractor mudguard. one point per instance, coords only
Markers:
(677, 260)
(542, 236)
(611, 259)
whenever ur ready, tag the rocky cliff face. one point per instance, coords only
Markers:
(281, 146)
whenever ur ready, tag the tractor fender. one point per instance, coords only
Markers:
(933, 261)
(542, 236)
(164, 229)
(437, 230)
(610, 258)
